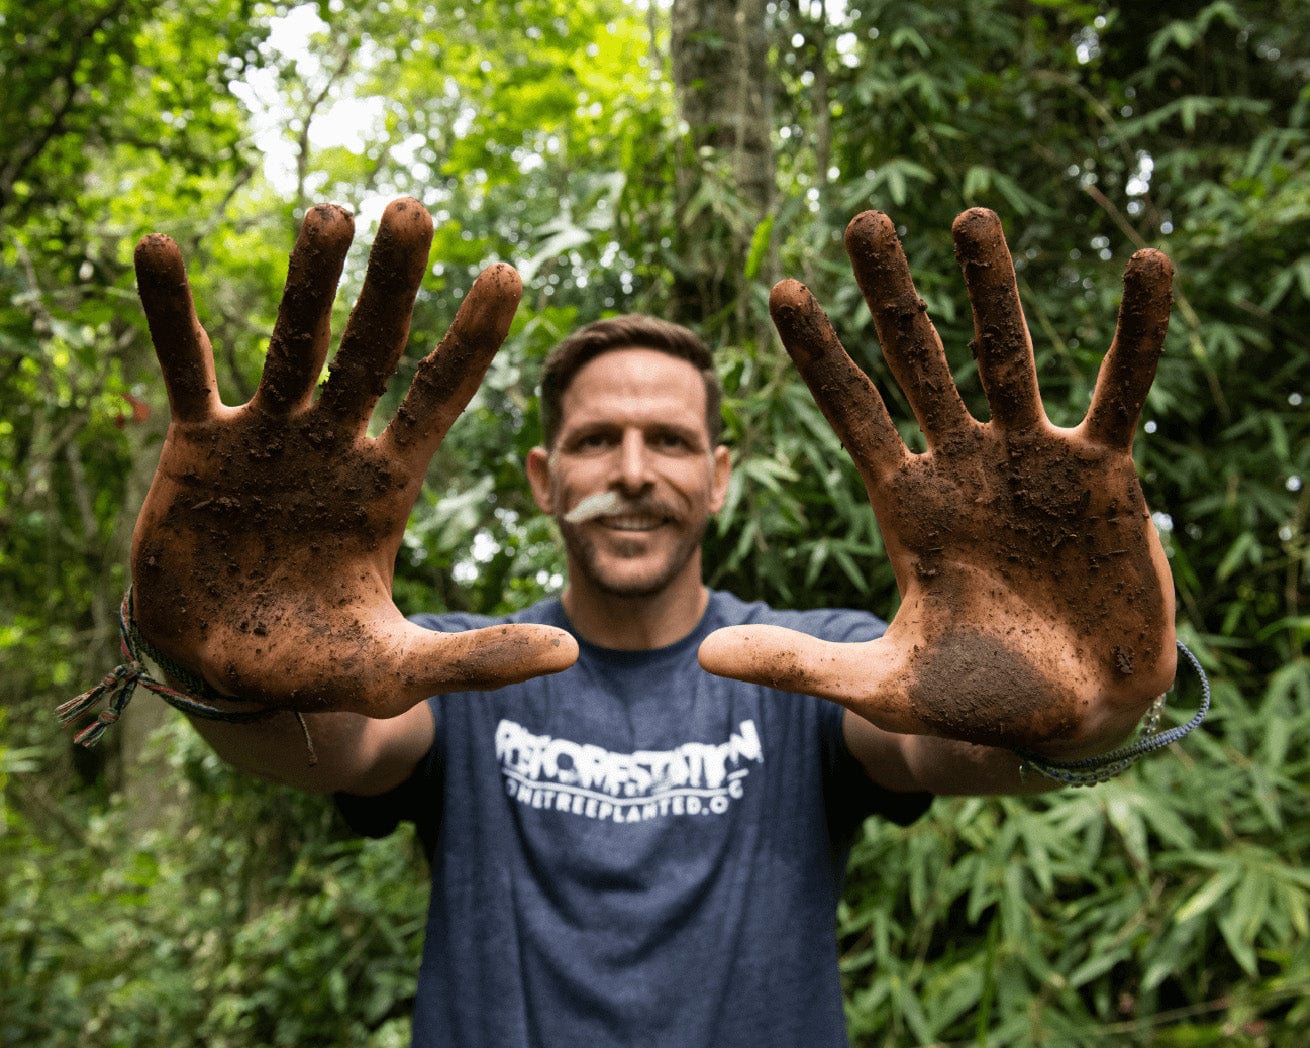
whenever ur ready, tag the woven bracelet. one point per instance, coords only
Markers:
(118, 686)
(1088, 771)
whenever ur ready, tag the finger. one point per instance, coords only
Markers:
(483, 659)
(1129, 366)
(856, 675)
(300, 337)
(180, 342)
(448, 377)
(847, 398)
(379, 324)
(1001, 341)
(909, 341)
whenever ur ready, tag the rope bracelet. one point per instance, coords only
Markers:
(1088, 771)
(118, 686)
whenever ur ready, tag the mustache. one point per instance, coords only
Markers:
(611, 503)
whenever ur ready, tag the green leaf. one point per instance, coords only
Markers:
(1215, 888)
(759, 247)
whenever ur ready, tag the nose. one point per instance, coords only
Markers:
(634, 464)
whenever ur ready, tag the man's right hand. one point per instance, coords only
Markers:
(264, 553)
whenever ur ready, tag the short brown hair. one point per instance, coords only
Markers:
(631, 331)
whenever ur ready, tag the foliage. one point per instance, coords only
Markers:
(1165, 908)
(150, 895)
(181, 935)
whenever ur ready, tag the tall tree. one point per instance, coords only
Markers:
(725, 174)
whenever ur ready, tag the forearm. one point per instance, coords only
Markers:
(949, 767)
(324, 752)
(945, 767)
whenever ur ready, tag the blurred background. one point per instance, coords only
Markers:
(674, 158)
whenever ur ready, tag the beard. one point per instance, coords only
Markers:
(601, 572)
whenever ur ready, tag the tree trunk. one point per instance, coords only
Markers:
(720, 51)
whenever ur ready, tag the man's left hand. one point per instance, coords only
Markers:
(1037, 604)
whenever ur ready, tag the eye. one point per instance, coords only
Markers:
(598, 440)
(668, 440)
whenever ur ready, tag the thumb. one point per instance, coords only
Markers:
(484, 659)
(867, 677)
(847, 673)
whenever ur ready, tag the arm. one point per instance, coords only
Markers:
(945, 767)
(263, 556)
(351, 753)
(1037, 604)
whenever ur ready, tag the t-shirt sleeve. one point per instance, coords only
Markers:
(852, 795)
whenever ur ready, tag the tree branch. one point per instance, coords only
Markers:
(16, 169)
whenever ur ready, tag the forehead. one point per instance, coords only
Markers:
(635, 385)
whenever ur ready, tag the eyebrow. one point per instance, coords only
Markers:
(693, 434)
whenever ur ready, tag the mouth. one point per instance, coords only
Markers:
(632, 522)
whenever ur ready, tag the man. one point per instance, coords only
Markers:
(630, 849)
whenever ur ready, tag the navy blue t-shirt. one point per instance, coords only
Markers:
(635, 851)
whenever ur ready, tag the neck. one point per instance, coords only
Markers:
(636, 623)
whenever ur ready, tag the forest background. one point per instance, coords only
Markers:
(675, 159)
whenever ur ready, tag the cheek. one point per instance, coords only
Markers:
(693, 482)
(569, 485)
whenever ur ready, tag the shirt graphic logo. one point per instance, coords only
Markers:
(696, 778)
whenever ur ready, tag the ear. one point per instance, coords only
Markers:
(538, 465)
(721, 465)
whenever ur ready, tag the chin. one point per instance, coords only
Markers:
(637, 571)
(631, 584)
(631, 578)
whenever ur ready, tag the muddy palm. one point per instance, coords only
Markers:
(263, 555)
(1037, 604)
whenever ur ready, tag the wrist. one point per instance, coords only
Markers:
(1088, 771)
(117, 687)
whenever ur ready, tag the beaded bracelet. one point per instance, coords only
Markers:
(1088, 771)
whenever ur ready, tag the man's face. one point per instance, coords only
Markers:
(633, 431)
